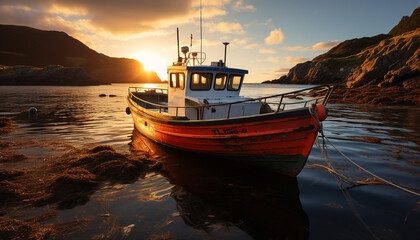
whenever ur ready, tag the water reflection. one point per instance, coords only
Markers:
(212, 194)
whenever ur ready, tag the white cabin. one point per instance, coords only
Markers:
(205, 86)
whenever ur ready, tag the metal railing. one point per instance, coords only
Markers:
(318, 93)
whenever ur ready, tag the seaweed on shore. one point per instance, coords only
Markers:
(6, 126)
(63, 183)
(377, 96)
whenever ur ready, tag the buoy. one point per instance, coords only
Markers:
(33, 113)
(322, 112)
(128, 111)
(33, 110)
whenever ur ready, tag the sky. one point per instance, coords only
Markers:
(267, 37)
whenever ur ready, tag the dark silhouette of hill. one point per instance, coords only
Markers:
(20, 45)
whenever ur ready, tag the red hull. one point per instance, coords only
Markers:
(281, 141)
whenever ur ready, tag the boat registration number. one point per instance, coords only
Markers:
(228, 131)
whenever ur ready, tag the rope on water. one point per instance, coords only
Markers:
(312, 111)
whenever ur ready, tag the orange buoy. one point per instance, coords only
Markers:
(322, 112)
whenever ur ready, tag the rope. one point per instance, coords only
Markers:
(312, 111)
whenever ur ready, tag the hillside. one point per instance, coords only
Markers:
(20, 45)
(383, 60)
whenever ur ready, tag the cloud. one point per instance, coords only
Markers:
(296, 60)
(322, 46)
(315, 47)
(125, 17)
(267, 50)
(272, 59)
(241, 6)
(281, 70)
(276, 37)
(226, 27)
(240, 41)
(206, 42)
(295, 48)
(214, 3)
(267, 23)
(252, 46)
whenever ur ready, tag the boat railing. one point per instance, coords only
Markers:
(319, 94)
(147, 90)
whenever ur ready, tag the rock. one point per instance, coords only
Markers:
(391, 63)
(385, 60)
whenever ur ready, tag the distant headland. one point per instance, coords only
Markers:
(30, 56)
(363, 66)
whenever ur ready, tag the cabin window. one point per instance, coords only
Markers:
(173, 80)
(181, 82)
(201, 81)
(220, 81)
(234, 82)
(177, 80)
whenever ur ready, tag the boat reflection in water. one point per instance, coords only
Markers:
(213, 193)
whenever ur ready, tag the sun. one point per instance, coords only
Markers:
(152, 62)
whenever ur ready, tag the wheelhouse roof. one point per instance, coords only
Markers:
(209, 68)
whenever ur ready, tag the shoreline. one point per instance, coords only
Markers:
(390, 96)
(59, 182)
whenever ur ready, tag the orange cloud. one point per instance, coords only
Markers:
(276, 37)
(241, 6)
(252, 46)
(272, 59)
(315, 47)
(226, 27)
(322, 46)
(267, 50)
(125, 17)
(296, 60)
(281, 70)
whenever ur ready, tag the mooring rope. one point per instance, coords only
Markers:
(313, 112)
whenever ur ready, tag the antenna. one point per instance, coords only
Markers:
(191, 42)
(177, 41)
(225, 43)
(201, 32)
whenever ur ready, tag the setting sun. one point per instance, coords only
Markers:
(152, 62)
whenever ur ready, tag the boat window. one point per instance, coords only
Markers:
(201, 81)
(220, 81)
(181, 80)
(177, 80)
(173, 80)
(234, 82)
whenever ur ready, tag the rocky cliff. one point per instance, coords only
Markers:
(20, 45)
(385, 60)
(51, 75)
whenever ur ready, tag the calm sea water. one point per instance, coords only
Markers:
(193, 197)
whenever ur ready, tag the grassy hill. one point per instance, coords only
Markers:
(20, 45)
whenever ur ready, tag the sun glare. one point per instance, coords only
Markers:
(152, 62)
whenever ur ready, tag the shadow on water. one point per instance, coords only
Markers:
(213, 194)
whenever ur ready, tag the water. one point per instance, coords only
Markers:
(196, 198)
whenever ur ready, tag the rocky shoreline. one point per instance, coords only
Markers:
(383, 69)
(376, 95)
(50, 75)
(60, 182)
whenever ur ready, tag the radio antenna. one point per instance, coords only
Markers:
(201, 32)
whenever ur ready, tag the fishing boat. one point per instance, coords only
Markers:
(202, 111)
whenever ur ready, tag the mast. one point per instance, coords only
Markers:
(201, 32)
